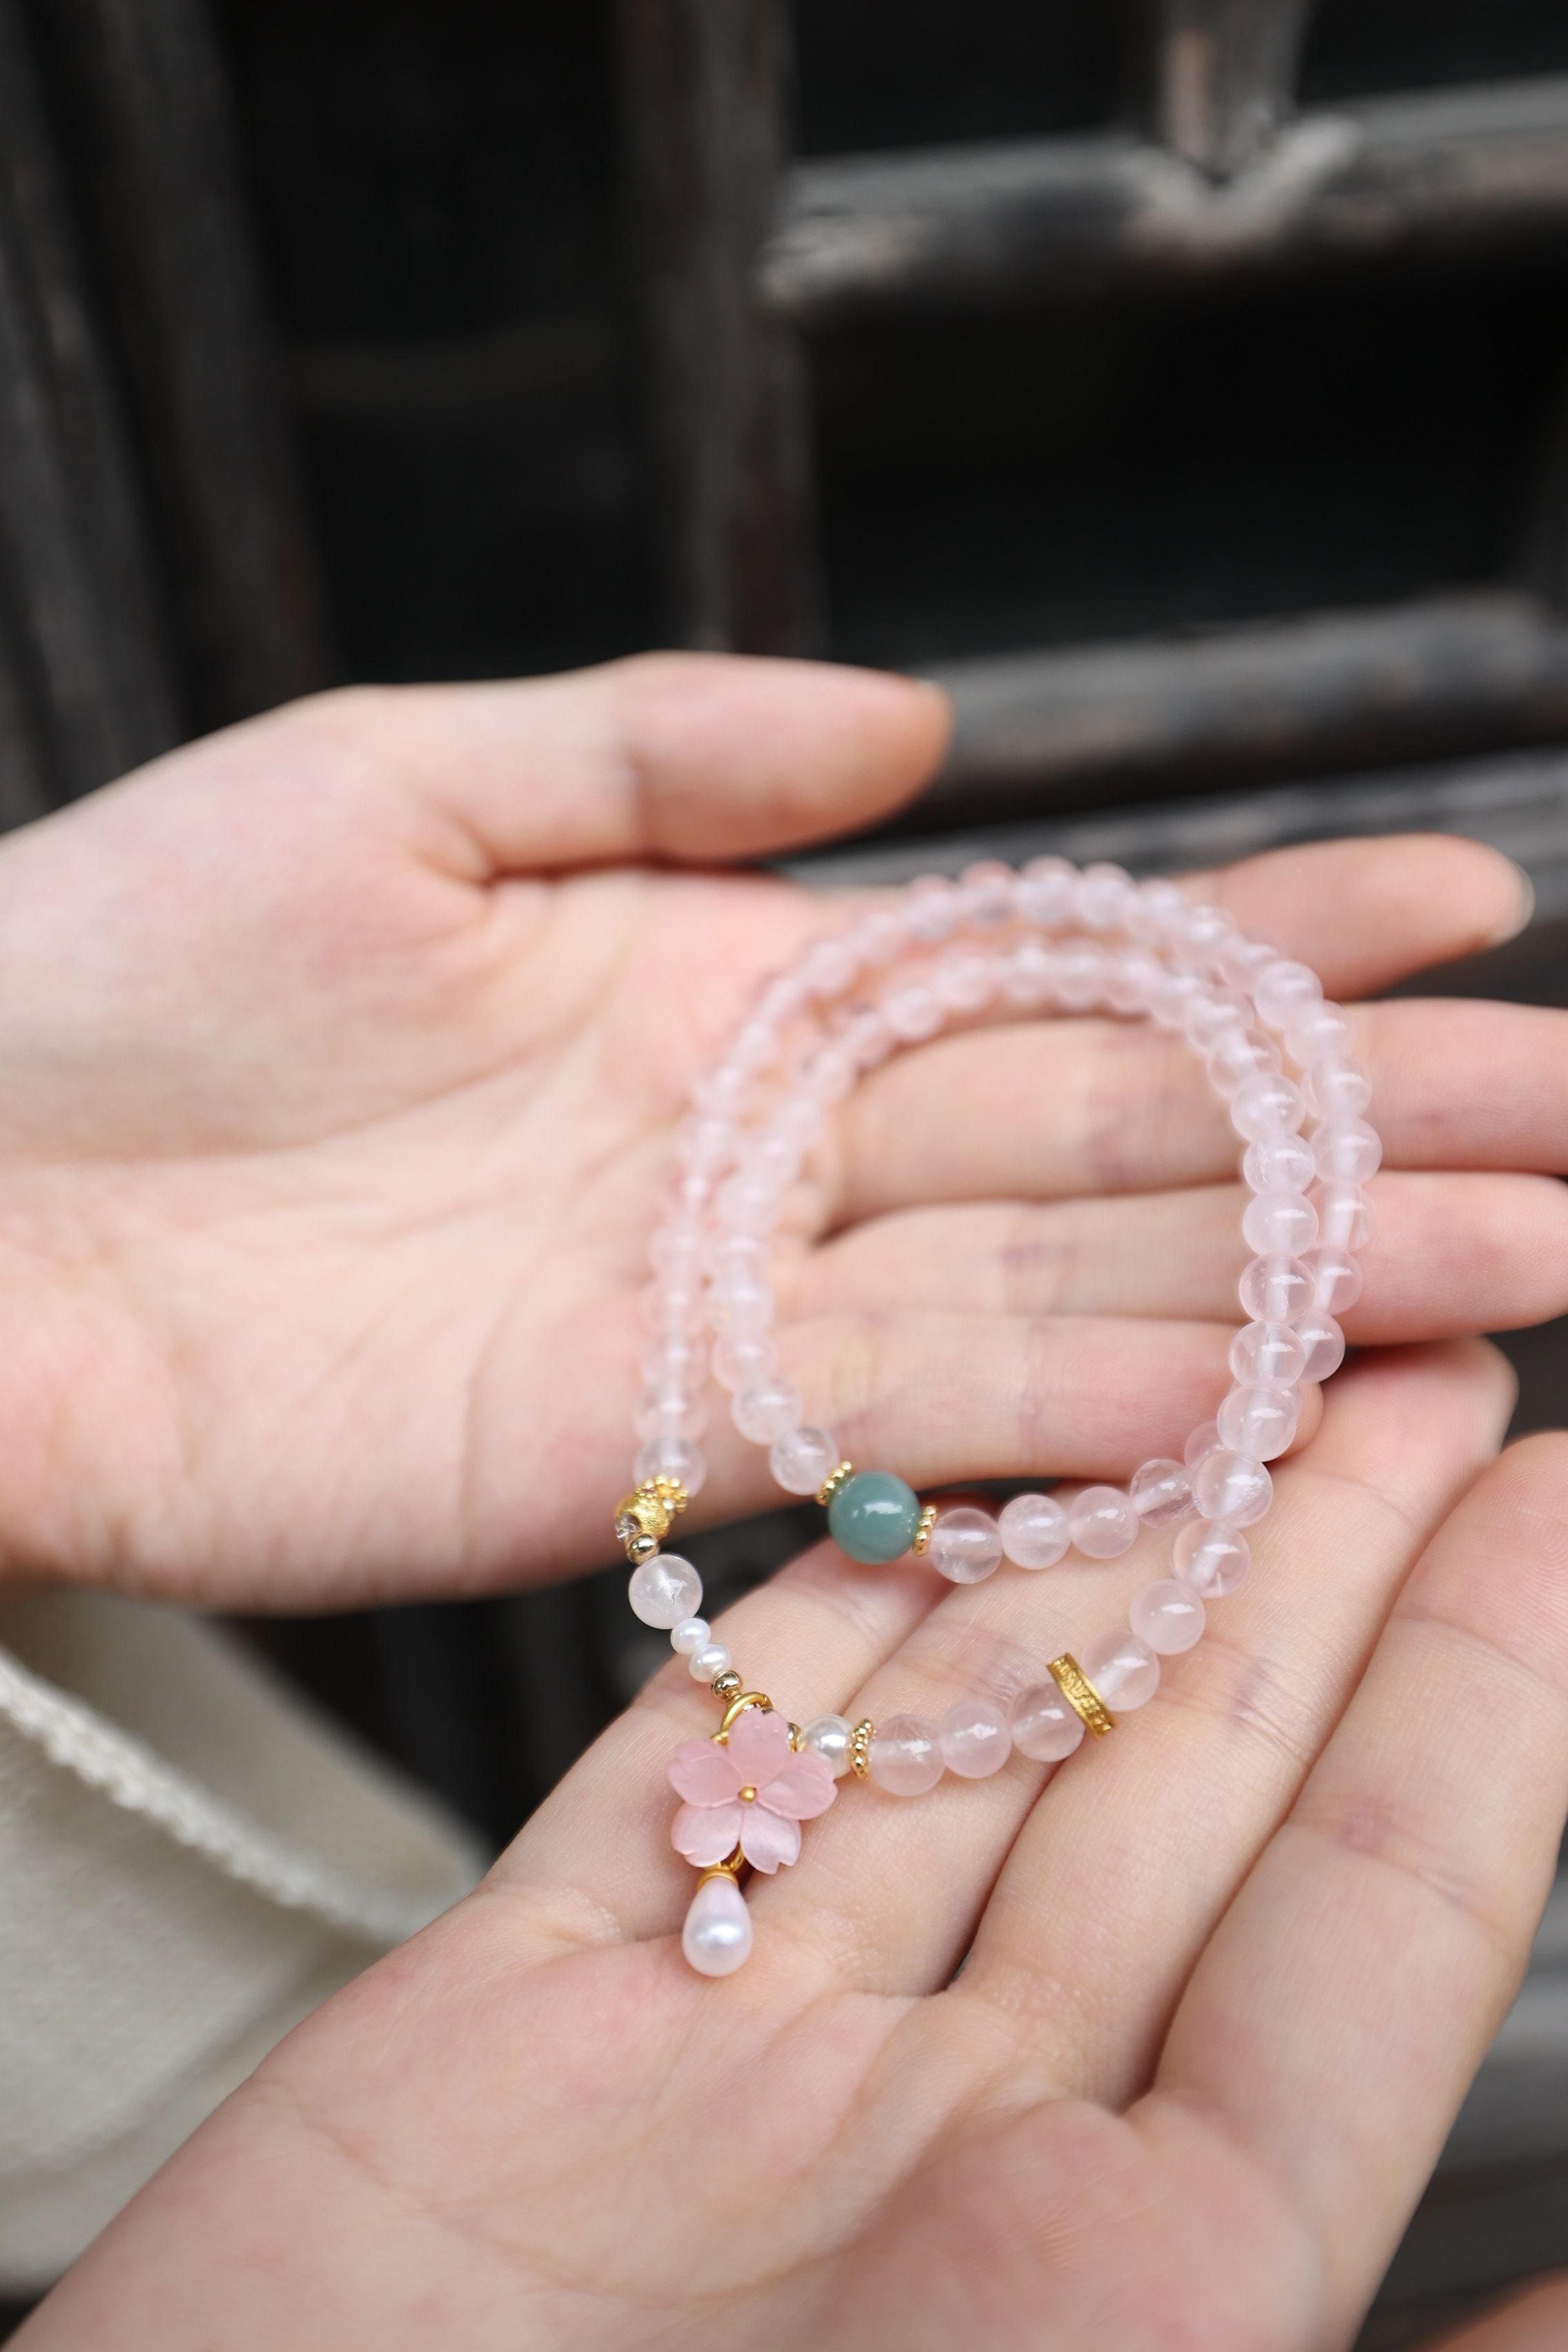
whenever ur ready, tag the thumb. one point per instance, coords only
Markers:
(694, 757)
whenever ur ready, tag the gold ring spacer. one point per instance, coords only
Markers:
(739, 1705)
(1081, 1695)
(860, 1741)
(728, 1868)
(834, 1480)
(922, 1532)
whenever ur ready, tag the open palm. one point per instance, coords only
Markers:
(340, 1061)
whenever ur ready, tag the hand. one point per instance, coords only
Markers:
(340, 1059)
(1228, 1975)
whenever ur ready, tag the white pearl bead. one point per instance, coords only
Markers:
(707, 1663)
(802, 1459)
(829, 1738)
(716, 1936)
(664, 1590)
(691, 1635)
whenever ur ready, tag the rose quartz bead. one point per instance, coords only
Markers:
(705, 1143)
(1279, 1224)
(965, 1545)
(1268, 1353)
(1026, 974)
(1280, 1164)
(963, 981)
(931, 909)
(665, 1591)
(743, 1358)
(1232, 1487)
(1348, 1220)
(1240, 1054)
(767, 1411)
(1043, 1726)
(1335, 1278)
(802, 1459)
(988, 891)
(912, 1013)
(1046, 890)
(1212, 1560)
(1201, 1443)
(740, 1306)
(672, 1303)
(737, 1257)
(867, 1039)
(881, 935)
(674, 1362)
(827, 1075)
(1200, 931)
(1282, 989)
(829, 966)
(746, 1206)
(1080, 976)
(1260, 1419)
(1317, 1033)
(1212, 1016)
(1346, 1150)
(1103, 896)
(1168, 1010)
(670, 1413)
(671, 1457)
(1132, 980)
(1242, 956)
(906, 1756)
(1103, 1522)
(1123, 1670)
(1168, 1616)
(1323, 1346)
(801, 1116)
(755, 1044)
(1275, 1289)
(1270, 1105)
(1034, 1530)
(974, 1739)
(779, 999)
(1338, 1091)
(1156, 906)
(1161, 1492)
(721, 1091)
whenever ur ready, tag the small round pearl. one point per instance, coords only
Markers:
(1232, 1487)
(1102, 1523)
(664, 1591)
(1323, 1346)
(1212, 1560)
(671, 1457)
(766, 1411)
(1168, 1616)
(1034, 1530)
(1269, 1352)
(716, 1936)
(1161, 1492)
(828, 1737)
(1260, 1419)
(707, 1663)
(906, 1756)
(1275, 1289)
(974, 1739)
(691, 1635)
(802, 1459)
(965, 1545)
(1043, 1726)
(1123, 1670)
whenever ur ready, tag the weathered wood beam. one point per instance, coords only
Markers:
(1218, 76)
(1007, 221)
(157, 146)
(85, 679)
(702, 90)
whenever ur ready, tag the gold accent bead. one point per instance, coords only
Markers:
(1080, 1695)
(834, 1480)
(728, 1868)
(796, 1737)
(643, 1516)
(922, 1532)
(747, 1795)
(726, 1685)
(860, 1741)
(739, 1704)
(641, 1547)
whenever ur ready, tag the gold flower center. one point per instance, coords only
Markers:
(748, 1796)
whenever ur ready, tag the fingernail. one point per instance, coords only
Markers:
(1520, 919)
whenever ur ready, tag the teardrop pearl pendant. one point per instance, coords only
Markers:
(716, 1936)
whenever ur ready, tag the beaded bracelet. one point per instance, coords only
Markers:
(1051, 939)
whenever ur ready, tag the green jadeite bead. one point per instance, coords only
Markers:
(874, 1517)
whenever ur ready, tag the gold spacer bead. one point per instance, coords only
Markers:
(796, 1737)
(922, 1532)
(860, 1741)
(727, 1685)
(1080, 1695)
(669, 1491)
(728, 1868)
(834, 1480)
(641, 1547)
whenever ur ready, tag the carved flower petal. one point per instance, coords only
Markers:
(767, 1839)
(706, 1833)
(703, 1774)
(759, 1744)
(804, 1789)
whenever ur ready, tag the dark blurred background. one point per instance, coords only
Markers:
(1185, 383)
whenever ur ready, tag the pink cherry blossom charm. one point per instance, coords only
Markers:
(746, 1796)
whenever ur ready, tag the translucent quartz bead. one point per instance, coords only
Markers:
(802, 1459)
(1168, 1616)
(1201, 930)
(669, 1412)
(1161, 1492)
(1323, 1344)
(1103, 1522)
(989, 890)
(672, 1303)
(766, 1411)
(721, 1091)
(673, 1361)
(1103, 896)
(1213, 1560)
(716, 1936)
(931, 907)
(1154, 909)
(1280, 1164)
(1132, 980)
(1026, 974)
(745, 1206)
(1347, 1150)
(1338, 1091)
(1212, 1015)
(1270, 1105)
(1347, 1219)
(1240, 1054)
(706, 1143)
(874, 1517)
(906, 1756)
(974, 1739)
(693, 1633)
(1275, 1289)
(1279, 1224)
(1080, 976)
(829, 1738)
(1123, 1670)
(1169, 1008)
(709, 1662)
(881, 935)
(665, 1591)
(1260, 1419)
(744, 1359)
(965, 1545)
(1034, 1530)
(1268, 1352)
(671, 1457)
(964, 980)
(737, 1257)
(1335, 1278)
(1317, 1033)
(1202, 1441)
(1232, 1487)
(867, 1039)
(1043, 1726)
(1282, 989)
(912, 1013)
(1045, 888)
(829, 966)
(827, 1075)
